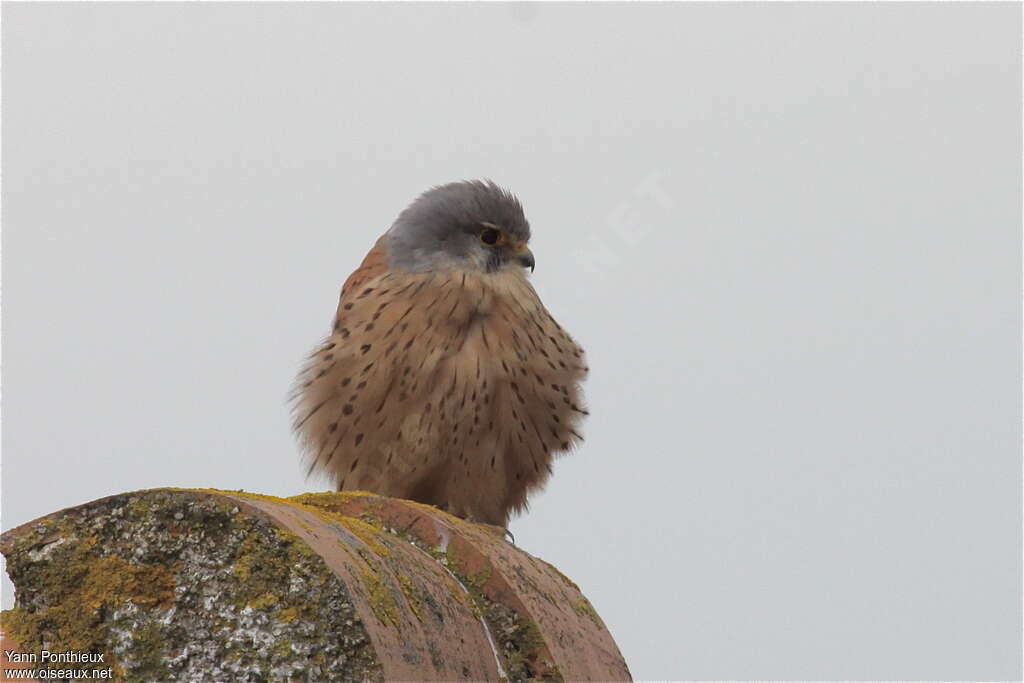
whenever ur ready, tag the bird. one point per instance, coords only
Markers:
(444, 379)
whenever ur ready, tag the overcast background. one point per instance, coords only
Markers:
(788, 235)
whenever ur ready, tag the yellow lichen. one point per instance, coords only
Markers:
(89, 586)
(263, 601)
(96, 576)
(326, 498)
(562, 576)
(412, 595)
(366, 533)
(382, 602)
(240, 493)
(528, 643)
(282, 648)
(259, 566)
(315, 503)
(585, 609)
(287, 615)
(476, 582)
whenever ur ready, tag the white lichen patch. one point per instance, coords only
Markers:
(44, 551)
(175, 586)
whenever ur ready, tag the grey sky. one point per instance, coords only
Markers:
(788, 235)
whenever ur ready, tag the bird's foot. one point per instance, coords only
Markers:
(499, 531)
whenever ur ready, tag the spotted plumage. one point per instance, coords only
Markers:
(444, 379)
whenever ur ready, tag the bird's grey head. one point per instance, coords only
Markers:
(470, 225)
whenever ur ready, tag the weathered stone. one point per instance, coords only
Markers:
(188, 585)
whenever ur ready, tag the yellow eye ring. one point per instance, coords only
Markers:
(490, 236)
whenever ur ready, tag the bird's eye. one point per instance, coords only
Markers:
(489, 236)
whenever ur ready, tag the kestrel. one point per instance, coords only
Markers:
(445, 380)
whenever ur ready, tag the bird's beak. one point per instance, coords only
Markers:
(525, 256)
